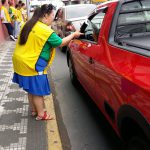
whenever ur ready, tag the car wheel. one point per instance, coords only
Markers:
(138, 143)
(72, 72)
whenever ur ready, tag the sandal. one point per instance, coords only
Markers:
(44, 117)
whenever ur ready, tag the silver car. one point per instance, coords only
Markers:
(70, 18)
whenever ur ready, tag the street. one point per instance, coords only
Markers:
(82, 126)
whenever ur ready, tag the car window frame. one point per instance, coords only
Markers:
(111, 36)
(95, 12)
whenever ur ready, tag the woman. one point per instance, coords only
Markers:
(33, 53)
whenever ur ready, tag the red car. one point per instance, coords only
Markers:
(112, 62)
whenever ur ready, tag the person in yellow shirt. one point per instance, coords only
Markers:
(6, 20)
(14, 19)
(17, 22)
(34, 52)
(23, 12)
(12, 11)
(19, 12)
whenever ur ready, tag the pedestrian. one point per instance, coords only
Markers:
(14, 19)
(19, 8)
(5, 17)
(18, 20)
(23, 12)
(12, 11)
(34, 52)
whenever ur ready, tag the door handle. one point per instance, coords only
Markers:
(91, 61)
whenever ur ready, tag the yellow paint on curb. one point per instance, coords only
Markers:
(54, 140)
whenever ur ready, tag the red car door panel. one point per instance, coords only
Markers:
(84, 64)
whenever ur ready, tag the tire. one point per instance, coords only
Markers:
(73, 76)
(138, 143)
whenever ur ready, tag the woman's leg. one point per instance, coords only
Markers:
(31, 103)
(9, 28)
(18, 28)
(15, 29)
(39, 105)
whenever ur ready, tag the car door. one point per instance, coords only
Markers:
(86, 50)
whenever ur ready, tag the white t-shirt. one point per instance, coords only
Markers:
(3, 17)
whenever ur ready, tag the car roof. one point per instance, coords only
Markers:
(114, 1)
(108, 2)
(77, 5)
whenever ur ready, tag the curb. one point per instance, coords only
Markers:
(53, 135)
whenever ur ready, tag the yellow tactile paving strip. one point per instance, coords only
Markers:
(54, 140)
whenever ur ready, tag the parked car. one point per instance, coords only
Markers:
(112, 62)
(70, 18)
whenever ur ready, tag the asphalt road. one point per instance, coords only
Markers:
(81, 124)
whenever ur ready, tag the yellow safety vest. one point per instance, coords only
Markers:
(26, 56)
(6, 13)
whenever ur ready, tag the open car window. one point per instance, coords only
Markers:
(92, 26)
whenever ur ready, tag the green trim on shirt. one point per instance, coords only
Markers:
(53, 41)
(10, 11)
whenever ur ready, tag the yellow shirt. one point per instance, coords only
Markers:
(26, 56)
(5, 15)
(19, 14)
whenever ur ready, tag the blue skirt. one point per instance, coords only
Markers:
(36, 85)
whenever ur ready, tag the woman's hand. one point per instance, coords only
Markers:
(77, 34)
(67, 39)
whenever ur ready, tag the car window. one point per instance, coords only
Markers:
(93, 27)
(131, 6)
(135, 5)
(79, 11)
(134, 19)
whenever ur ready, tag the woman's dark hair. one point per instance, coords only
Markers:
(39, 12)
(16, 6)
(20, 2)
(57, 14)
(23, 4)
(3, 2)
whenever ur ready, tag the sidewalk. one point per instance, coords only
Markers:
(18, 130)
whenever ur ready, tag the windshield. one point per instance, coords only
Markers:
(134, 19)
(79, 11)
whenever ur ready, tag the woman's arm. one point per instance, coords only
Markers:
(66, 40)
